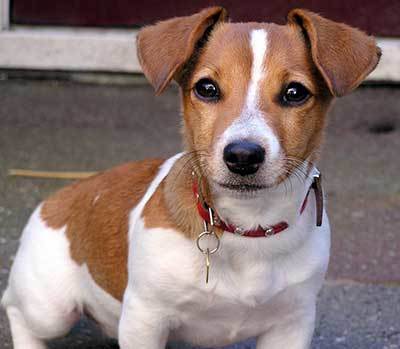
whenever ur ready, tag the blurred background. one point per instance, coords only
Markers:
(72, 98)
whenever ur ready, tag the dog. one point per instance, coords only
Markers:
(225, 241)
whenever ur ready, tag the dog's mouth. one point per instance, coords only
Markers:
(243, 187)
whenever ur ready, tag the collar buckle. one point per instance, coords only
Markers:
(319, 197)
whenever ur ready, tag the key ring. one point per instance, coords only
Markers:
(207, 233)
(207, 250)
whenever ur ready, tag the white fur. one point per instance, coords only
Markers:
(43, 286)
(259, 45)
(262, 287)
(164, 170)
(97, 197)
(251, 125)
(266, 207)
(258, 287)
(48, 291)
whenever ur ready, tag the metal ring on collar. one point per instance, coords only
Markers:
(207, 233)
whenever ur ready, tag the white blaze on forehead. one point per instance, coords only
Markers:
(258, 41)
(251, 124)
(251, 113)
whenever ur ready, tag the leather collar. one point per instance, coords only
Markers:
(209, 215)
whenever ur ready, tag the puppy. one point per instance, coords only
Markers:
(225, 241)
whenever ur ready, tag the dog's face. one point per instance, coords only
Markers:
(255, 96)
(256, 104)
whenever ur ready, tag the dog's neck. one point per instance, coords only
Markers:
(266, 207)
(247, 211)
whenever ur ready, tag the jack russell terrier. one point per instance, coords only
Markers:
(225, 241)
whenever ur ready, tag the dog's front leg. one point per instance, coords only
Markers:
(296, 334)
(142, 325)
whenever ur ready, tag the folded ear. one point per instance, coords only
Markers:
(343, 55)
(164, 48)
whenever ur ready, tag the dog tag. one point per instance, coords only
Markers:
(215, 242)
(207, 264)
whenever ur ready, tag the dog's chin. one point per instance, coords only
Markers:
(251, 186)
(240, 189)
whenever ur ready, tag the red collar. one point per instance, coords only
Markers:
(205, 211)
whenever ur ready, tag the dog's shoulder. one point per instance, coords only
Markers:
(120, 186)
(95, 213)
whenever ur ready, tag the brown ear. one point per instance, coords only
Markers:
(164, 48)
(343, 55)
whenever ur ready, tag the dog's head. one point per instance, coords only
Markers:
(255, 95)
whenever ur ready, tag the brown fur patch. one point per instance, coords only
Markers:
(343, 55)
(164, 48)
(95, 212)
(227, 59)
(156, 213)
(300, 128)
(173, 205)
(325, 69)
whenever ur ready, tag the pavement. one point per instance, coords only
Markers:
(64, 125)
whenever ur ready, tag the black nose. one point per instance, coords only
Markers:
(243, 157)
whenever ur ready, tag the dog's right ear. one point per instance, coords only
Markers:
(164, 48)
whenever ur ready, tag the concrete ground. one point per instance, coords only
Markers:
(73, 126)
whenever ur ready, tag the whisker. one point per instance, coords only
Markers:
(197, 160)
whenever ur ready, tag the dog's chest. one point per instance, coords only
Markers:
(231, 308)
(220, 323)
(246, 294)
(239, 304)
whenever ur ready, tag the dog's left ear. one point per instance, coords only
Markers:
(343, 55)
(164, 48)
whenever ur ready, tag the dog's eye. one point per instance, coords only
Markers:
(295, 94)
(207, 90)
